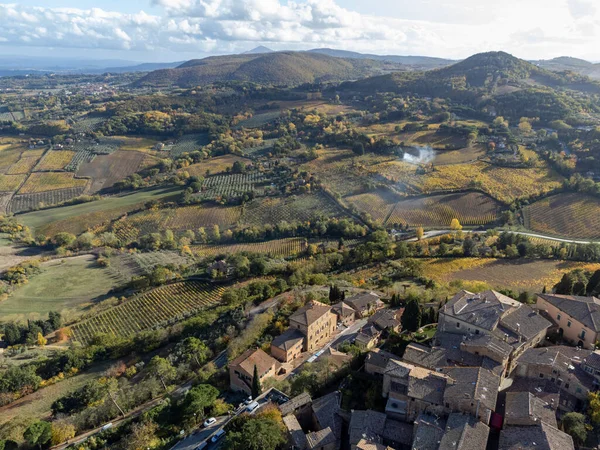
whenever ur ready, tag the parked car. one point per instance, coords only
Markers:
(218, 435)
(202, 445)
(252, 406)
(208, 422)
(107, 426)
(248, 400)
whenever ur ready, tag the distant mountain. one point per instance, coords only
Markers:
(276, 68)
(258, 50)
(566, 63)
(420, 62)
(144, 67)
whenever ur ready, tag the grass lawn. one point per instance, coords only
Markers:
(66, 285)
(38, 219)
(38, 405)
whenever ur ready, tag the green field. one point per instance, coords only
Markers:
(66, 285)
(39, 219)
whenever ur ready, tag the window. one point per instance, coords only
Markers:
(582, 335)
(569, 323)
(457, 324)
(566, 385)
(558, 317)
(541, 375)
(476, 331)
(578, 390)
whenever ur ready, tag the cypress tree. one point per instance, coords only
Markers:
(256, 387)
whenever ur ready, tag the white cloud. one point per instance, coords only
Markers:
(528, 28)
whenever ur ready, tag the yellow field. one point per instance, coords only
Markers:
(504, 184)
(56, 160)
(520, 275)
(138, 144)
(9, 154)
(48, 181)
(9, 183)
(27, 162)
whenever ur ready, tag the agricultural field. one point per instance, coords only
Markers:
(343, 172)
(519, 275)
(462, 156)
(299, 208)
(188, 143)
(26, 163)
(138, 144)
(48, 181)
(231, 186)
(79, 158)
(86, 124)
(132, 227)
(132, 264)
(502, 183)
(28, 202)
(470, 208)
(68, 285)
(55, 160)
(79, 218)
(10, 153)
(379, 204)
(10, 183)
(572, 215)
(279, 248)
(100, 146)
(216, 165)
(260, 119)
(106, 170)
(163, 305)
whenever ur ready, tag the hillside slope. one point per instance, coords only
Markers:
(280, 68)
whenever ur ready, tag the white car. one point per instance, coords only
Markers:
(248, 400)
(209, 422)
(218, 435)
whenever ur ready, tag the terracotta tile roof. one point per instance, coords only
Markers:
(293, 426)
(428, 434)
(426, 385)
(483, 310)
(321, 438)
(254, 357)
(361, 302)
(310, 313)
(386, 318)
(343, 309)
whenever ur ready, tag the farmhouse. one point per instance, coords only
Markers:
(288, 346)
(365, 304)
(241, 369)
(387, 320)
(315, 322)
(577, 318)
(345, 313)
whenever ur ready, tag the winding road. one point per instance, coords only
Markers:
(434, 233)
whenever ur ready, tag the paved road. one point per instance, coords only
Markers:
(434, 233)
(199, 436)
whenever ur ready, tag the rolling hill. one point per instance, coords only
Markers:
(277, 68)
(417, 62)
(516, 88)
(567, 63)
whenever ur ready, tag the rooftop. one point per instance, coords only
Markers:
(524, 406)
(379, 358)
(593, 360)
(298, 437)
(427, 385)
(288, 339)
(429, 431)
(254, 357)
(482, 310)
(386, 318)
(310, 313)
(360, 302)
(539, 437)
(464, 432)
(325, 409)
(343, 309)
(295, 403)
(585, 310)
(319, 439)
(366, 425)
(473, 383)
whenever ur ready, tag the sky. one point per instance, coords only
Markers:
(176, 30)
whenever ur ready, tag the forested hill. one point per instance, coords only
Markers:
(280, 68)
(516, 88)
